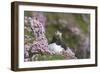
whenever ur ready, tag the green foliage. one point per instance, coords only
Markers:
(81, 23)
(27, 13)
(50, 57)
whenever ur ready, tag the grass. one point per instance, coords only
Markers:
(50, 57)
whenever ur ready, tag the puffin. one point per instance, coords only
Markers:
(57, 38)
(57, 45)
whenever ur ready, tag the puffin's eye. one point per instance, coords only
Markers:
(36, 18)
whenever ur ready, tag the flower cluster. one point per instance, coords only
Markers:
(40, 44)
(69, 54)
(37, 25)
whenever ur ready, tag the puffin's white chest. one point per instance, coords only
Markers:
(55, 48)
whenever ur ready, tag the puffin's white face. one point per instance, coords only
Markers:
(58, 33)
